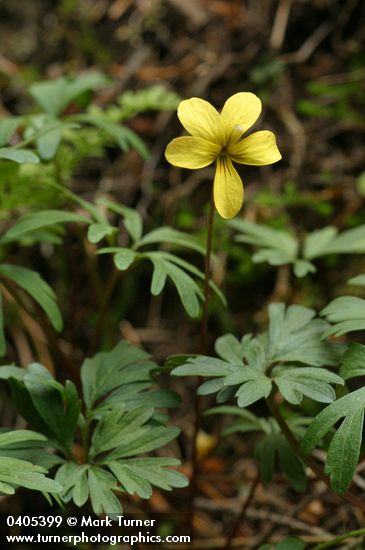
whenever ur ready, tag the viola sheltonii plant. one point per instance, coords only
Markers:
(107, 409)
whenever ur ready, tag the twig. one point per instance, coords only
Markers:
(280, 24)
(242, 514)
(309, 46)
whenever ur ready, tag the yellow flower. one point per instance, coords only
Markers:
(217, 137)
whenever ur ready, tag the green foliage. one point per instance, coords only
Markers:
(166, 265)
(119, 423)
(53, 96)
(15, 472)
(291, 354)
(333, 100)
(272, 450)
(37, 288)
(18, 155)
(291, 543)
(279, 247)
(347, 313)
(344, 449)
(353, 361)
(61, 139)
(154, 98)
(33, 222)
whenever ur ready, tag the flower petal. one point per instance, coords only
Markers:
(201, 119)
(257, 149)
(241, 110)
(191, 152)
(228, 188)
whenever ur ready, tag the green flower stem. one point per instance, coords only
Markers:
(337, 540)
(309, 461)
(204, 323)
(203, 348)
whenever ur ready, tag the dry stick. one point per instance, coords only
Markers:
(203, 348)
(242, 514)
(310, 462)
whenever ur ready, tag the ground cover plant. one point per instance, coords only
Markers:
(182, 272)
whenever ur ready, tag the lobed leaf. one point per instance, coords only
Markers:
(344, 449)
(39, 290)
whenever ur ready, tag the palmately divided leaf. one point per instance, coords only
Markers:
(34, 221)
(131, 218)
(202, 365)
(328, 241)
(353, 361)
(172, 236)
(254, 389)
(188, 290)
(277, 247)
(116, 425)
(312, 382)
(317, 242)
(68, 475)
(347, 313)
(107, 371)
(40, 291)
(97, 231)
(8, 125)
(19, 156)
(146, 439)
(101, 487)
(359, 280)
(273, 445)
(255, 384)
(140, 474)
(295, 336)
(17, 436)
(229, 348)
(57, 405)
(53, 96)
(344, 450)
(25, 474)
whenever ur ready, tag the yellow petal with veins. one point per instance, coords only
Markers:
(228, 188)
(258, 149)
(191, 152)
(240, 110)
(201, 119)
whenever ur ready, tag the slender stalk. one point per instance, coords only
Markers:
(104, 310)
(309, 461)
(339, 539)
(203, 348)
(203, 344)
(241, 515)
